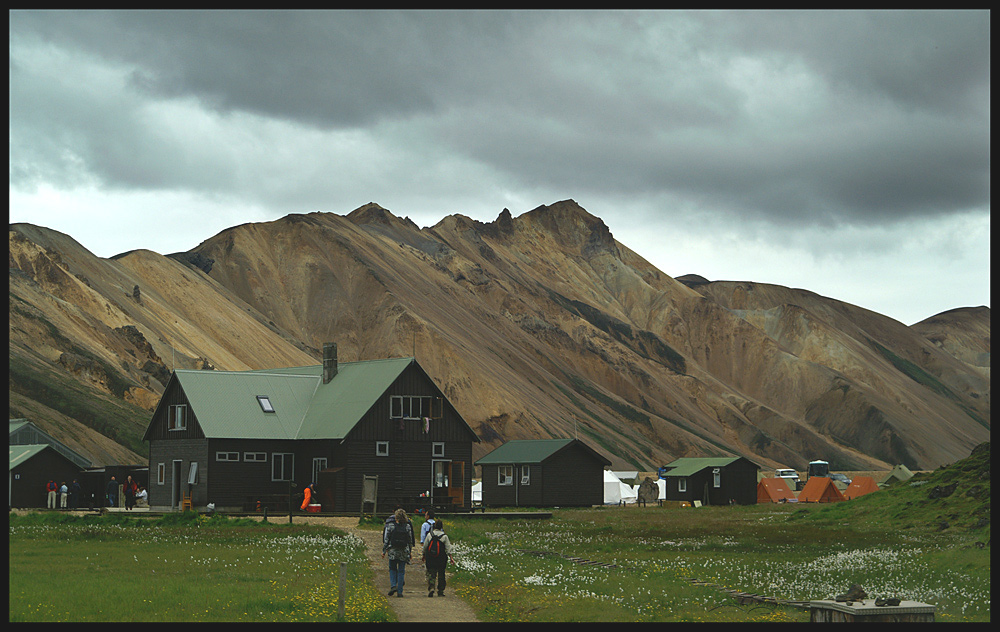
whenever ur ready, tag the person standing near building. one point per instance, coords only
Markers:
(74, 495)
(63, 495)
(112, 492)
(51, 489)
(397, 541)
(129, 489)
(436, 552)
(307, 495)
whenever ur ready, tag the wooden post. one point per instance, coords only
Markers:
(343, 591)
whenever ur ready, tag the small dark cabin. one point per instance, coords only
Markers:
(31, 468)
(713, 481)
(543, 473)
(249, 440)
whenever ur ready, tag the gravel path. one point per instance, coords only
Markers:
(414, 605)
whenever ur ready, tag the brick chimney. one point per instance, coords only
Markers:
(329, 361)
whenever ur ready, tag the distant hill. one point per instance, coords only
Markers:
(537, 326)
(964, 333)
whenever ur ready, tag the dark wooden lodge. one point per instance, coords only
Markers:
(252, 440)
(712, 481)
(543, 473)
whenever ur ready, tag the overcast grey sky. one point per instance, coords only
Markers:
(847, 153)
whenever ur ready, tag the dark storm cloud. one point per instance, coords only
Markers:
(322, 68)
(790, 117)
(935, 60)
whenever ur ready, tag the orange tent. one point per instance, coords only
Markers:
(820, 489)
(774, 490)
(860, 486)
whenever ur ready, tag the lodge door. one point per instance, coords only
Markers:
(448, 482)
(175, 486)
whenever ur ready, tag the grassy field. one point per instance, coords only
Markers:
(767, 550)
(926, 539)
(184, 568)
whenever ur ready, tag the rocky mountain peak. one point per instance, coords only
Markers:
(575, 228)
(371, 213)
(504, 222)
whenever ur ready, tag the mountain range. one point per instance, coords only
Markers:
(537, 326)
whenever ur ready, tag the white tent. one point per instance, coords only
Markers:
(612, 488)
(629, 493)
(662, 484)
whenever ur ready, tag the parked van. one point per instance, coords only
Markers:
(791, 477)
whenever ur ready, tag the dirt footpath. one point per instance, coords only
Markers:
(414, 605)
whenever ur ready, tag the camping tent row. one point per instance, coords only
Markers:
(819, 489)
(616, 492)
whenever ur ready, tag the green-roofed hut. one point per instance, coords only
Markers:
(712, 480)
(543, 473)
(233, 438)
(31, 468)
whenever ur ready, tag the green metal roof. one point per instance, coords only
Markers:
(524, 451)
(22, 453)
(225, 402)
(689, 466)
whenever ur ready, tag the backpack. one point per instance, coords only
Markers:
(398, 538)
(436, 549)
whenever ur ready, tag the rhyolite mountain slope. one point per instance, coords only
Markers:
(536, 326)
(86, 354)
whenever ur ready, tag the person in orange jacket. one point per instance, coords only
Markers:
(308, 496)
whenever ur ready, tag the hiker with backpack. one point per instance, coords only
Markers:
(397, 541)
(437, 551)
(426, 526)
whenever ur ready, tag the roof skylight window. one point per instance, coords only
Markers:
(265, 403)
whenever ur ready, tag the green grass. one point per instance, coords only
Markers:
(925, 540)
(904, 542)
(184, 568)
(658, 551)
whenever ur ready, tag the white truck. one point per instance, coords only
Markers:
(791, 477)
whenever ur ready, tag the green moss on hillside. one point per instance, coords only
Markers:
(953, 498)
(113, 418)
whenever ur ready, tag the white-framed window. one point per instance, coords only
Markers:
(177, 417)
(319, 464)
(505, 475)
(526, 475)
(282, 466)
(161, 473)
(437, 449)
(265, 403)
(682, 484)
(381, 448)
(415, 407)
(227, 456)
(255, 457)
(717, 477)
